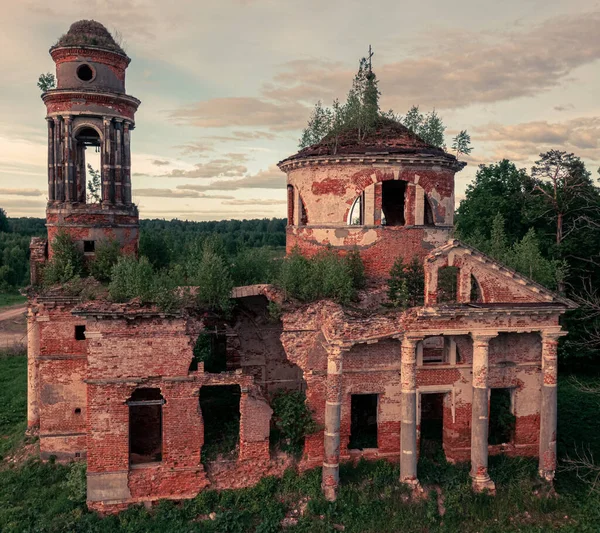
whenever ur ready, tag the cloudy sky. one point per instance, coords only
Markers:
(227, 86)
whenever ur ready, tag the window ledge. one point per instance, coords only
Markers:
(140, 466)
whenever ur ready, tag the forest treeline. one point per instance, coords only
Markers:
(164, 242)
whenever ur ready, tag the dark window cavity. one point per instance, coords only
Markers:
(427, 212)
(89, 247)
(363, 428)
(145, 426)
(220, 406)
(79, 333)
(502, 419)
(392, 202)
(85, 73)
(434, 350)
(476, 296)
(432, 424)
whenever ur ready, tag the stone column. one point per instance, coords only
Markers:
(106, 162)
(333, 414)
(58, 160)
(126, 172)
(118, 162)
(68, 160)
(50, 159)
(480, 412)
(33, 350)
(547, 464)
(408, 411)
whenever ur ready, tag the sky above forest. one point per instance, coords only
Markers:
(226, 87)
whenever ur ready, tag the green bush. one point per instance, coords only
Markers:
(325, 275)
(66, 262)
(211, 275)
(105, 258)
(76, 482)
(293, 420)
(406, 284)
(132, 278)
(255, 265)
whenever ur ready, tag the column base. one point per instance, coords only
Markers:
(547, 475)
(483, 484)
(330, 492)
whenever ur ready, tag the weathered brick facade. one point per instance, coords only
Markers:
(95, 366)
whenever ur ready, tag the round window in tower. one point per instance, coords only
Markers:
(85, 73)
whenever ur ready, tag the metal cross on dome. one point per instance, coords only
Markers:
(371, 54)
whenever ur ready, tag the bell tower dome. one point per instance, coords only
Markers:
(89, 109)
(390, 194)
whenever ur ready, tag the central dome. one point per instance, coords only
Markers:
(89, 33)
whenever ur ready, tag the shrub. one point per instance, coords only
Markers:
(132, 278)
(76, 482)
(211, 275)
(406, 285)
(293, 420)
(254, 265)
(106, 257)
(325, 275)
(66, 262)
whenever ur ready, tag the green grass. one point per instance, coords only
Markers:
(38, 497)
(7, 299)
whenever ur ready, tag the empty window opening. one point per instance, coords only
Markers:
(145, 426)
(432, 425)
(89, 247)
(363, 425)
(303, 213)
(79, 333)
(434, 350)
(85, 73)
(476, 296)
(427, 212)
(392, 202)
(78, 411)
(210, 349)
(502, 419)
(356, 216)
(290, 204)
(220, 406)
(447, 284)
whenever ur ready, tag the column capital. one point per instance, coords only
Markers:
(411, 340)
(551, 335)
(483, 336)
(106, 120)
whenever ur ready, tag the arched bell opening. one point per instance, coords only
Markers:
(87, 162)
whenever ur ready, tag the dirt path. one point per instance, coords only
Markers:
(12, 312)
(13, 328)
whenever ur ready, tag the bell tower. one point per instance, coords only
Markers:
(89, 110)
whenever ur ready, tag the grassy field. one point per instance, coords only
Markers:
(7, 299)
(37, 497)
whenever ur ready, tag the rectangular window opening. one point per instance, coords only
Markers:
(392, 203)
(363, 426)
(434, 350)
(220, 406)
(502, 419)
(211, 349)
(145, 426)
(447, 284)
(89, 247)
(79, 333)
(432, 425)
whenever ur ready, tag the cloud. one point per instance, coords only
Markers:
(196, 147)
(272, 178)
(523, 142)
(565, 107)
(160, 162)
(456, 71)
(229, 166)
(175, 193)
(22, 192)
(242, 111)
(254, 201)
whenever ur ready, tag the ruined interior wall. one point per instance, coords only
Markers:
(257, 338)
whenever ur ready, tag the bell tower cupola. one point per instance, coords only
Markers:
(89, 110)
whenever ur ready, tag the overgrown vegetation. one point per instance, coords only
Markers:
(361, 115)
(324, 275)
(406, 284)
(47, 497)
(292, 421)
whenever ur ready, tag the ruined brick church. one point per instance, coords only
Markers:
(116, 384)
